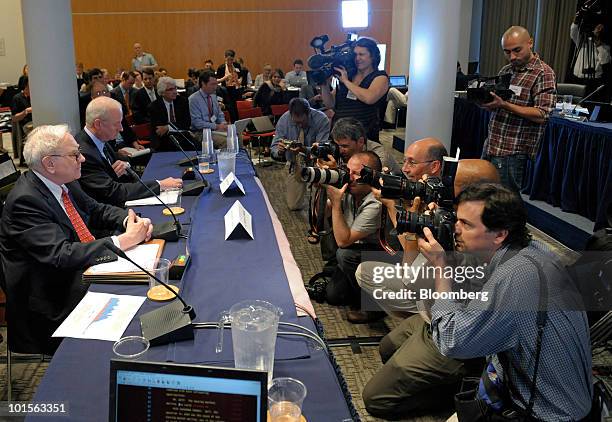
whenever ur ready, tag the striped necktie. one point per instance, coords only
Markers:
(81, 229)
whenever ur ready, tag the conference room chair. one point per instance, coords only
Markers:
(143, 132)
(278, 110)
(244, 104)
(576, 90)
(249, 113)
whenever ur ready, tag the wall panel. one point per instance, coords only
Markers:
(183, 33)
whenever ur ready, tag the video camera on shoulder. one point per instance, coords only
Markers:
(323, 62)
(441, 221)
(481, 93)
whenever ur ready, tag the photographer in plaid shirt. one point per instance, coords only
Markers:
(517, 125)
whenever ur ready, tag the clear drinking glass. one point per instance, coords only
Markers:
(285, 398)
(227, 163)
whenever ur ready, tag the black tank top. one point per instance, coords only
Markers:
(367, 114)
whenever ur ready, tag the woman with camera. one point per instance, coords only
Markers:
(360, 95)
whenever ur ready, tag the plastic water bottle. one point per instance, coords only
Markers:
(232, 139)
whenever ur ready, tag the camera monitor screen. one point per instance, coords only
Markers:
(148, 391)
(397, 81)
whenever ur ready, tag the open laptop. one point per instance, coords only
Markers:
(262, 124)
(398, 81)
(150, 391)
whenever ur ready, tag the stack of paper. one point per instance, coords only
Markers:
(123, 271)
(170, 197)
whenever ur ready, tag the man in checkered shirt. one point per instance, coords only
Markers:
(517, 125)
(491, 226)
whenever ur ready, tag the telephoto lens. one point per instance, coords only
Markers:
(441, 222)
(398, 187)
(335, 178)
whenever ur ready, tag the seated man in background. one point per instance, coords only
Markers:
(312, 93)
(145, 96)
(355, 217)
(205, 111)
(167, 111)
(21, 110)
(46, 239)
(297, 76)
(296, 131)
(125, 93)
(104, 177)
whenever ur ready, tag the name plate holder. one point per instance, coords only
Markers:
(238, 223)
(231, 184)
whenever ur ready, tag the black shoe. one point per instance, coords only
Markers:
(364, 317)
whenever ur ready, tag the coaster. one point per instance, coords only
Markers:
(175, 210)
(209, 171)
(160, 294)
(302, 418)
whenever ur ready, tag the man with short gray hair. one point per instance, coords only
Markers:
(142, 60)
(104, 177)
(51, 232)
(169, 113)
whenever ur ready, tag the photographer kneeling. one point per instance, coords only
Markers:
(296, 131)
(537, 339)
(355, 222)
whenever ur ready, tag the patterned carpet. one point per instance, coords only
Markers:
(358, 363)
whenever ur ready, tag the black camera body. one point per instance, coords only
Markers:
(323, 62)
(441, 191)
(500, 85)
(323, 149)
(369, 176)
(332, 177)
(441, 222)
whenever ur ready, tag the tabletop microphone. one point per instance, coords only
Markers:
(195, 188)
(190, 161)
(169, 323)
(168, 231)
(599, 88)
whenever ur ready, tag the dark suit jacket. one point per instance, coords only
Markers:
(99, 180)
(159, 117)
(221, 71)
(43, 259)
(141, 105)
(117, 94)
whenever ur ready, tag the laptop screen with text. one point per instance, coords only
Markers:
(146, 391)
(397, 81)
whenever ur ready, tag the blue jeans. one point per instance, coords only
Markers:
(511, 169)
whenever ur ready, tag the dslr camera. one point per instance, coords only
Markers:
(442, 220)
(323, 149)
(323, 62)
(333, 177)
(369, 176)
(481, 93)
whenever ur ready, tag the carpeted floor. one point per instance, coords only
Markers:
(358, 363)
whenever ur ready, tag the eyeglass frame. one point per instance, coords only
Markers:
(76, 155)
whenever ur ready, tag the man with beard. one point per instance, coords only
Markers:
(517, 124)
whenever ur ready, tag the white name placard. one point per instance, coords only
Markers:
(230, 180)
(238, 222)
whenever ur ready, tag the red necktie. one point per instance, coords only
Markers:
(172, 116)
(210, 106)
(76, 220)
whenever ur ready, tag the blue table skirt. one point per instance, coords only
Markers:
(221, 273)
(572, 169)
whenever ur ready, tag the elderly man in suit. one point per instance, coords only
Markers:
(51, 232)
(104, 177)
(169, 113)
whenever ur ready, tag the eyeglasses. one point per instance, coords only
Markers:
(412, 163)
(75, 154)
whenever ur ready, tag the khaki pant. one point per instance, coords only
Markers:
(415, 376)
